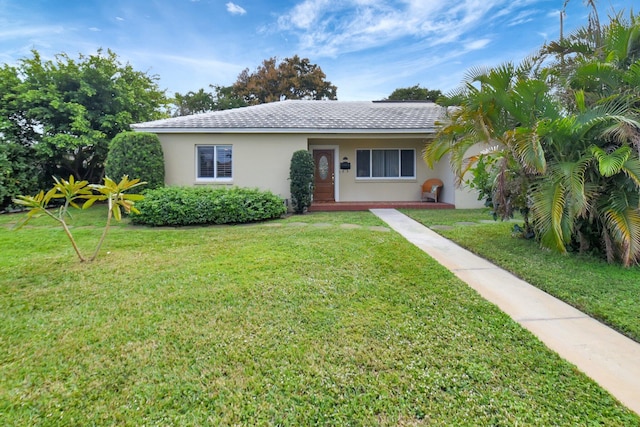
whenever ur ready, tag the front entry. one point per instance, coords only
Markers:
(324, 176)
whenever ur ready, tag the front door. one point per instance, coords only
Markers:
(324, 180)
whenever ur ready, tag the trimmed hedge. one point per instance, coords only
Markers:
(178, 206)
(138, 155)
(301, 176)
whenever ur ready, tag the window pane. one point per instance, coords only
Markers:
(407, 158)
(363, 163)
(392, 163)
(206, 156)
(385, 163)
(223, 161)
(377, 163)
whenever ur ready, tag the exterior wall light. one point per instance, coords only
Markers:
(345, 165)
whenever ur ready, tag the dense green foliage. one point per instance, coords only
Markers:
(288, 325)
(415, 93)
(178, 206)
(301, 180)
(291, 78)
(222, 98)
(68, 110)
(136, 154)
(562, 140)
(18, 172)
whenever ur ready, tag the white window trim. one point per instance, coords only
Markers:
(207, 180)
(386, 178)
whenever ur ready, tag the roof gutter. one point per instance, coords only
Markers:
(281, 130)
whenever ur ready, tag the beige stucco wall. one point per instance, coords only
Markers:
(262, 161)
(351, 188)
(465, 197)
(259, 161)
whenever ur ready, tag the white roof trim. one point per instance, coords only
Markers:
(283, 130)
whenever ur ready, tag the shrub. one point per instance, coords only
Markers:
(178, 206)
(301, 176)
(136, 154)
(19, 172)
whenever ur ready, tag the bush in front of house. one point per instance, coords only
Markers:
(136, 154)
(179, 206)
(301, 177)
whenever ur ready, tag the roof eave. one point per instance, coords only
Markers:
(282, 130)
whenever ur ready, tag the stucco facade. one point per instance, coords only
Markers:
(259, 161)
(261, 140)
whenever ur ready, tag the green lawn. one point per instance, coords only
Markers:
(301, 321)
(609, 293)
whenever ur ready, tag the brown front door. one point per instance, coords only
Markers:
(324, 176)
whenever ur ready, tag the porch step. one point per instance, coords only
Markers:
(365, 206)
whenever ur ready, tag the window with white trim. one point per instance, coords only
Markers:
(214, 162)
(386, 163)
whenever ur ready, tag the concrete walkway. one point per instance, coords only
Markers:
(609, 358)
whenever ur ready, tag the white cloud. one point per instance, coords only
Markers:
(330, 28)
(234, 9)
(303, 15)
(20, 32)
(95, 29)
(118, 18)
(477, 44)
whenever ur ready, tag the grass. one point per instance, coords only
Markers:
(609, 293)
(280, 323)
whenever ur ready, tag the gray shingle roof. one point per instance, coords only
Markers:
(308, 117)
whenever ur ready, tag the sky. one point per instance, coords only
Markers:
(367, 48)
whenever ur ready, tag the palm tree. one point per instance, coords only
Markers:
(498, 108)
(589, 197)
(563, 141)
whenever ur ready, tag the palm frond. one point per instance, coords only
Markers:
(631, 169)
(548, 213)
(610, 164)
(528, 149)
(623, 226)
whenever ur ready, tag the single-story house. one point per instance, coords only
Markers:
(363, 151)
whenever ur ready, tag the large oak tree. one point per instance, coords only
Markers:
(292, 78)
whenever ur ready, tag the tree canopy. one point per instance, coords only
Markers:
(414, 93)
(292, 78)
(69, 109)
(222, 98)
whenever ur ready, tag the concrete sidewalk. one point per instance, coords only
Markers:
(609, 358)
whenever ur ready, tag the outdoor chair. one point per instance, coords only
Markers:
(431, 189)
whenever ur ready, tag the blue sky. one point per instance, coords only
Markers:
(367, 48)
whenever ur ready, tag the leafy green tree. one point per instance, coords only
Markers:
(226, 98)
(223, 98)
(136, 154)
(193, 103)
(19, 166)
(18, 171)
(414, 93)
(75, 107)
(293, 78)
(301, 177)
